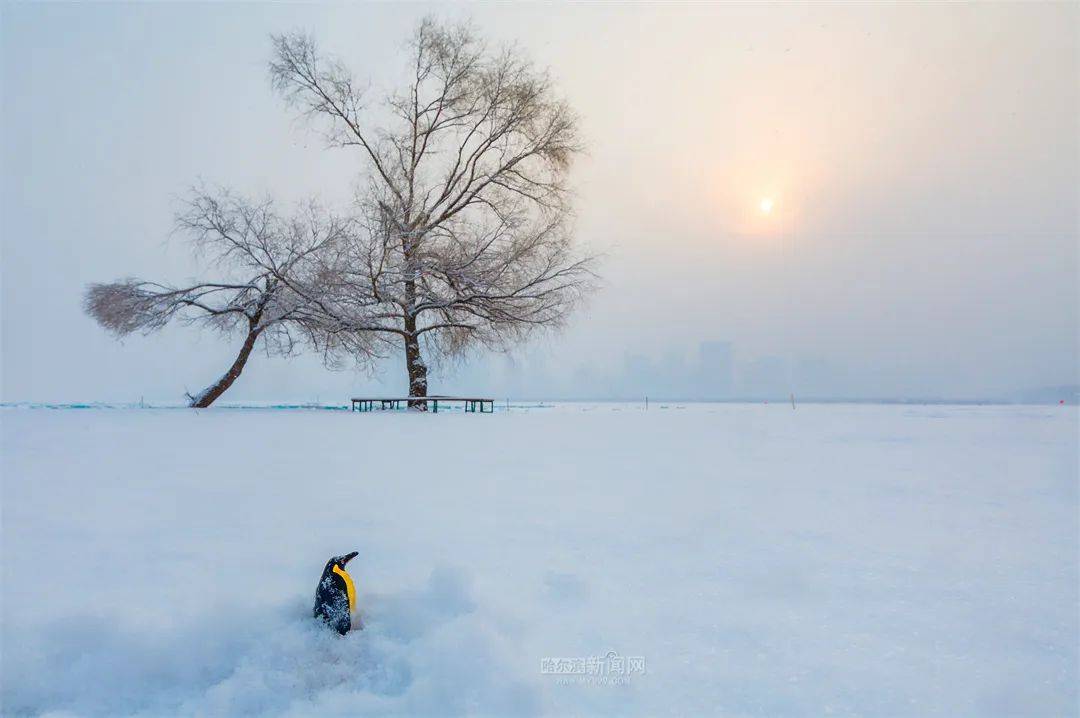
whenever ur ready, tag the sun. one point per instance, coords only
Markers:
(766, 205)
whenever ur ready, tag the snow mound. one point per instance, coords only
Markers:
(419, 650)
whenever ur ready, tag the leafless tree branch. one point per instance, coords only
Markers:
(463, 233)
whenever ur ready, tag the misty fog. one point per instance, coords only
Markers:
(923, 163)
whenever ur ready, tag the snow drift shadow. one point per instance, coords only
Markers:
(423, 651)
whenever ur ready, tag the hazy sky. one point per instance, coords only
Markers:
(924, 161)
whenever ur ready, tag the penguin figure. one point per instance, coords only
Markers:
(335, 596)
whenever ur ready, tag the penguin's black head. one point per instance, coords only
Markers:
(340, 561)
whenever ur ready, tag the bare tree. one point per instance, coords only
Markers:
(463, 231)
(259, 256)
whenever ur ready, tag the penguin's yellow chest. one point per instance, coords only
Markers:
(349, 588)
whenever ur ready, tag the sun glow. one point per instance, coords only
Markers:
(766, 205)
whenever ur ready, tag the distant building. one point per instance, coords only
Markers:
(816, 378)
(766, 377)
(716, 370)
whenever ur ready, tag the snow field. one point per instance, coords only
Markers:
(871, 560)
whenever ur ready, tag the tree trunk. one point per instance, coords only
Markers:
(207, 396)
(414, 365)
